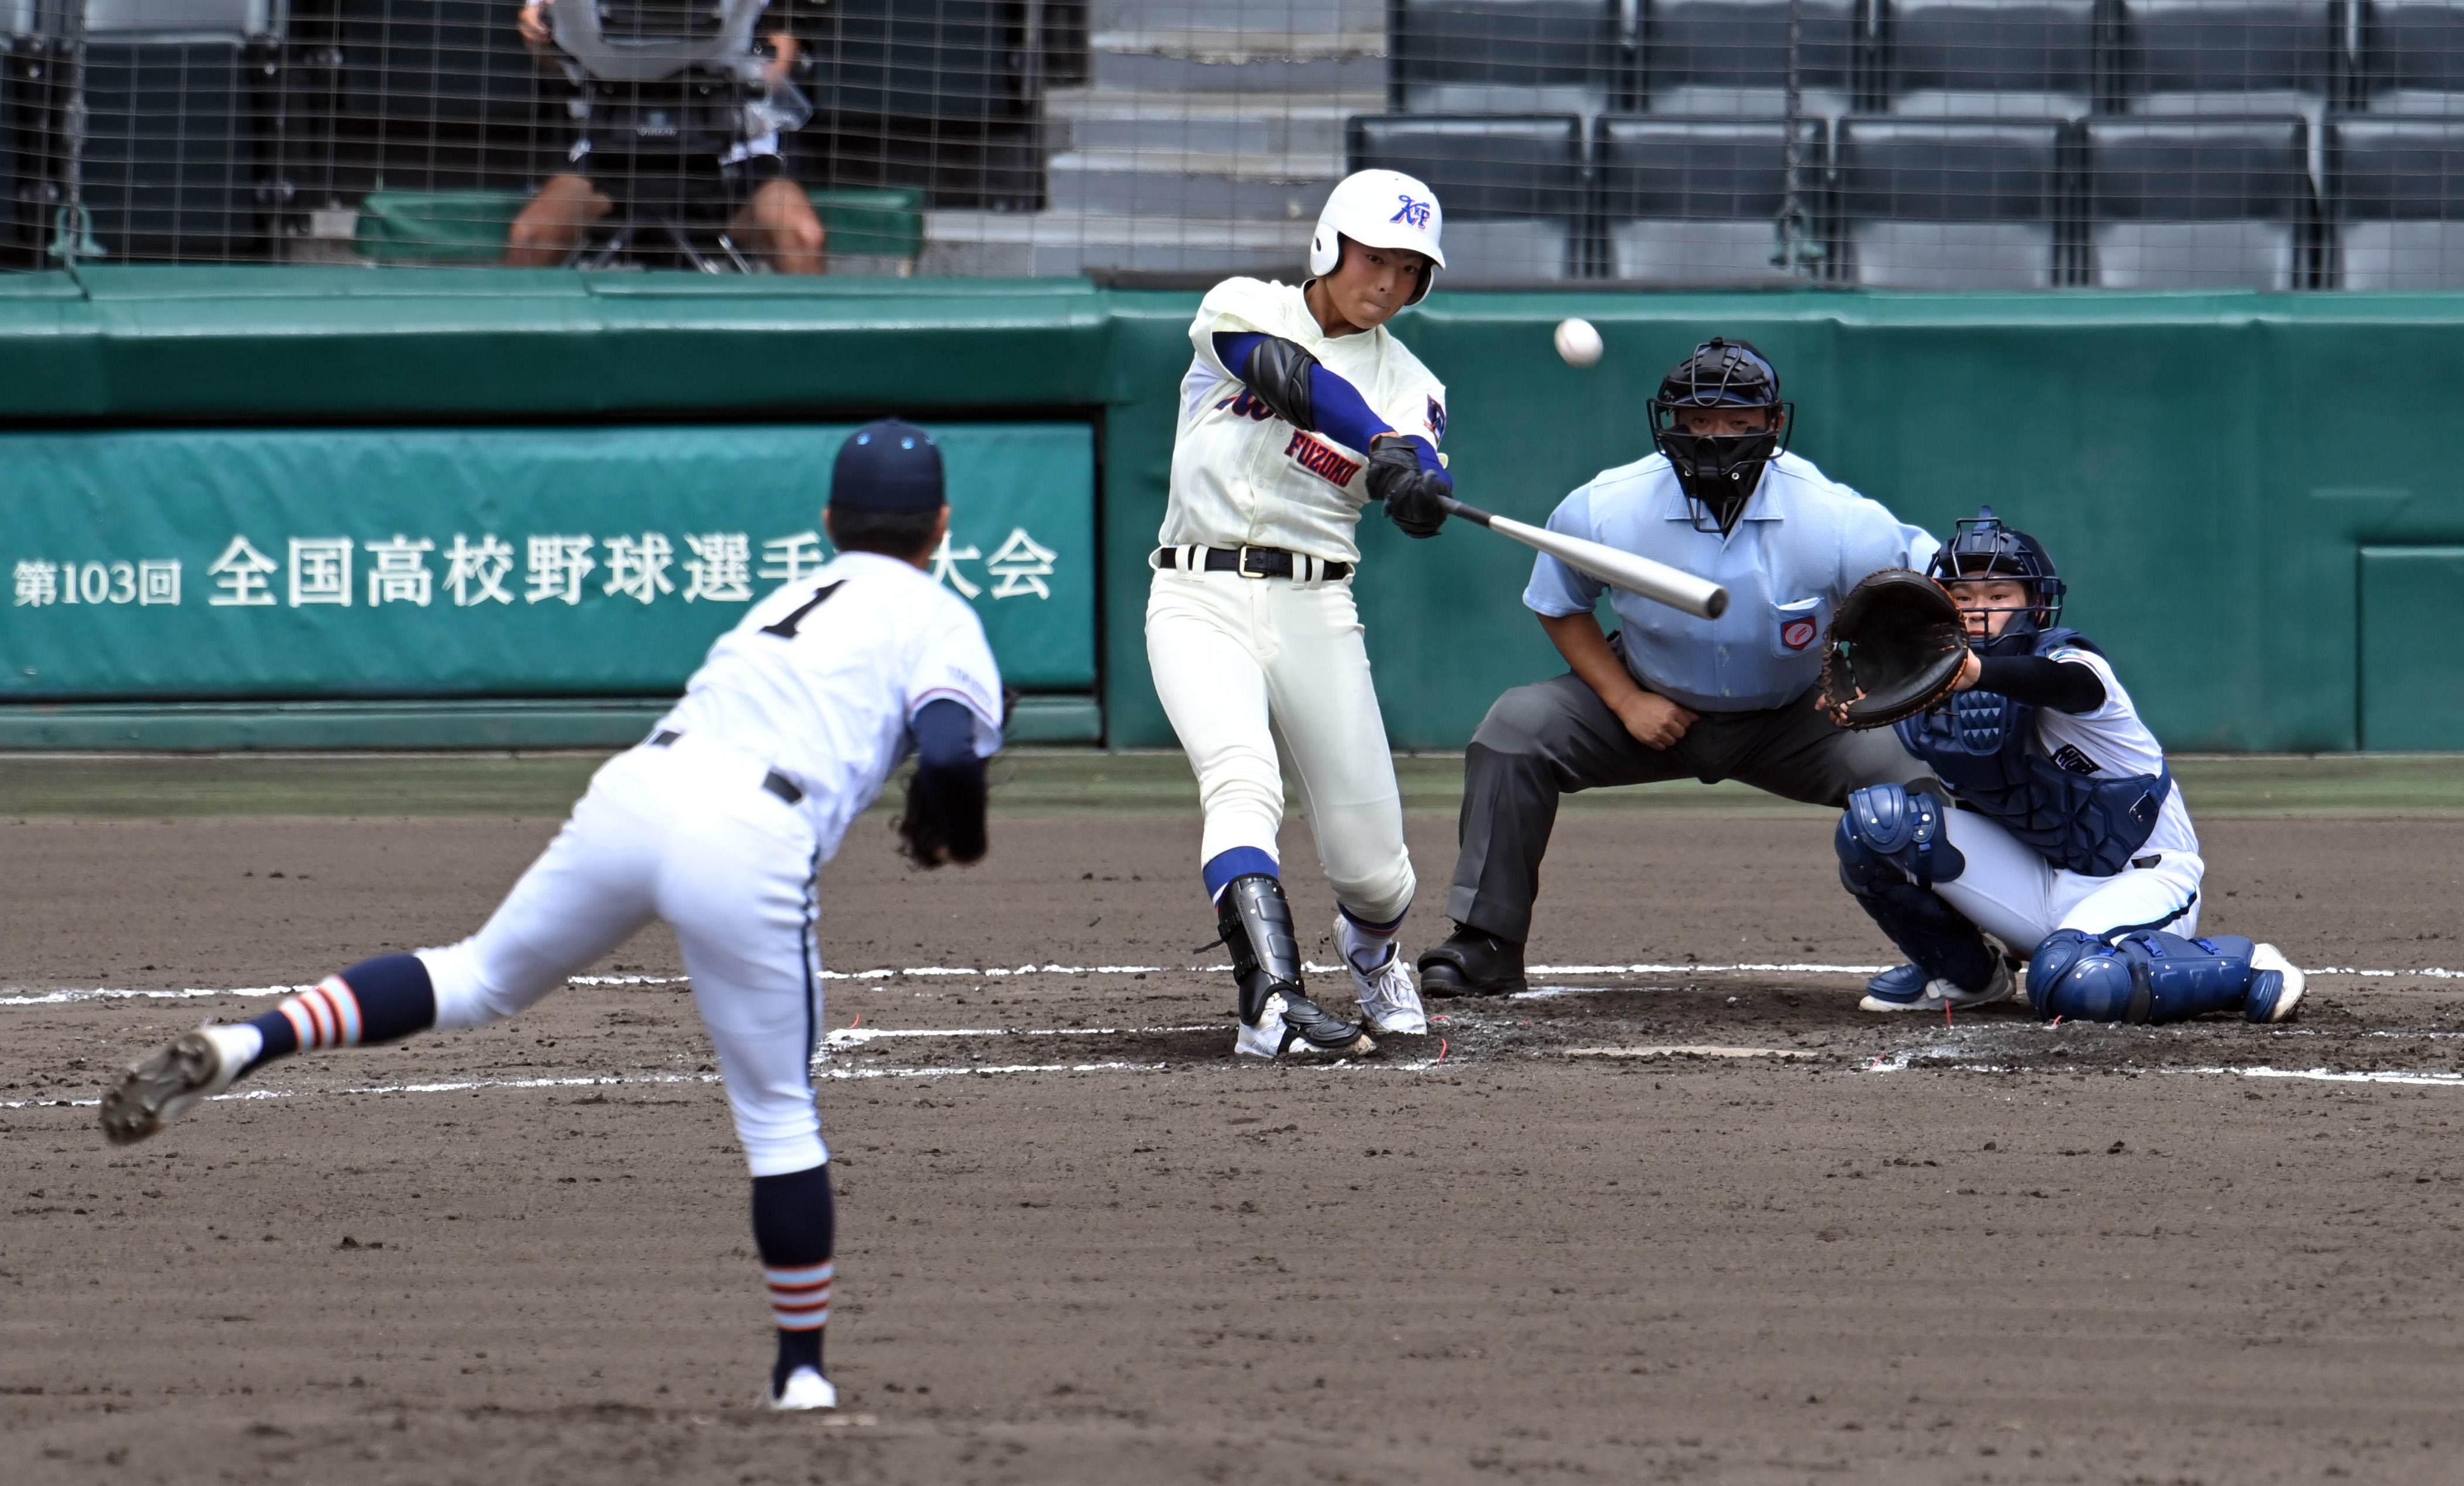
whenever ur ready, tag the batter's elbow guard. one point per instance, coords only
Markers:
(1278, 375)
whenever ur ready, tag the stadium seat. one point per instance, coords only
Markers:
(2398, 187)
(1507, 57)
(1953, 204)
(1989, 58)
(432, 61)
(2199, 204)
(1513, 187)
(1729, 59)
(2412, 56)
(1697, 201)
(2232, 58)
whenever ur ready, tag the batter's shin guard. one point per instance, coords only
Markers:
(1256, 924)
(2142, 977)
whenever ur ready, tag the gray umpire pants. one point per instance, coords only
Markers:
(1555, 737)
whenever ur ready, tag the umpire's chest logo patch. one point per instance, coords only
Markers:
(1797, 633)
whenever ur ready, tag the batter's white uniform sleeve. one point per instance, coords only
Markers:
(956, 665)
(1242, 476)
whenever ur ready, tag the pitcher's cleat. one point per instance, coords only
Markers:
(1907, 990)
(1390, 1003)
(804, 1389)
(2275, 986)
(1297, 1024)
(158, 1087)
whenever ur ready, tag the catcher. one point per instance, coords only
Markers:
(1671, 696)
(2072, 844)
(718, 823)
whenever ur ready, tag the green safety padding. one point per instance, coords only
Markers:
(521, 562)
(2187, 457)
(470, 226)
(2412, 669)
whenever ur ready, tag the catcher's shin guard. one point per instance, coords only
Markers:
(1893, 847)
(2144, 977)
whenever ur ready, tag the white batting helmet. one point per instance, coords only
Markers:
(1379, 208)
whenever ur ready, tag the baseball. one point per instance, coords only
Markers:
(1579, 343)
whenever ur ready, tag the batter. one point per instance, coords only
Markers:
(1299, 408)
(718, 823)
(2072, 844)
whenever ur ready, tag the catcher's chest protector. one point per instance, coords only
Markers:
(1984, 746)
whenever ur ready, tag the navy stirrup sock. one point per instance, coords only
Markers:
(381, 1000)
(1225, 867)
(794, 1226)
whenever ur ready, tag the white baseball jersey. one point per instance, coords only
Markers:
(1242, 476)
(2011, 891)
(820, 680)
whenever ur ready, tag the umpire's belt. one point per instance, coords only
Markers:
(774, 781)
(1251, 563)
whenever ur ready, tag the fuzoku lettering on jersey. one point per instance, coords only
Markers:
(1321, 461)
(1242, 476)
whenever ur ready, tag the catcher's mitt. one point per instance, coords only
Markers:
(1896, 648)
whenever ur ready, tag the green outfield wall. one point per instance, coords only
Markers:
(2253, 495)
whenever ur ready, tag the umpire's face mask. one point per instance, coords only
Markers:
(1718, 454)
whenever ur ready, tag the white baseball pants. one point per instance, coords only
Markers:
(2012, 892)
(1243, 665)
(687, 834)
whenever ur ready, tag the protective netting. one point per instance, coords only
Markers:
(1919, 143)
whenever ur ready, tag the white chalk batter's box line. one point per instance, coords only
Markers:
(1898, 1063)
(21, 995)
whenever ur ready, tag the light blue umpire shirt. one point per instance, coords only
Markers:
(1803, 541)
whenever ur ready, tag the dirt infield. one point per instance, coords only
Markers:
(1079, 1245)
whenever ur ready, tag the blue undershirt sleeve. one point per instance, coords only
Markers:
(1342, 413)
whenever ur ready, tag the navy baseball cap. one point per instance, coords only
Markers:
(889, 466)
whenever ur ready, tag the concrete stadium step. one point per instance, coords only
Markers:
(1217, 59)
(1065, 243)
(1285, 123)
(1193, 183)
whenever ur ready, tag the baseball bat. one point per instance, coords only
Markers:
(1657, 581)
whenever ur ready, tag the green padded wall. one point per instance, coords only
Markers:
(2207, 468)
(2412, 672)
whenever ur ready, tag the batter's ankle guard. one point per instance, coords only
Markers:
(1256, 924)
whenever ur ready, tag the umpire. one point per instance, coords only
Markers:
(1672, 696)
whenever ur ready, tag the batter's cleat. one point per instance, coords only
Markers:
(2275, 986)
(1472, 963)
(161, 1086)
(804, 1389)
(1296, 1024)
(1907, 990)
(1388, 1002)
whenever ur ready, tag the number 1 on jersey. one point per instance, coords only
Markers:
(786, 628)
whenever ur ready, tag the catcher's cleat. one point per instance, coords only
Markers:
(158, 1087)
(2275, 986)
(1907, 988)
(1296, 1024)
(804, 1389)
(1472, 963)
(1390, 1003)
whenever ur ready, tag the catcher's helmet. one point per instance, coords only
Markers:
(1981, 547)
(1381, 208)
(1719, 471)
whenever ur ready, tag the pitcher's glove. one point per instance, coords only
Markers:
(1896, 648)
(1410, 493)
(944, 818)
